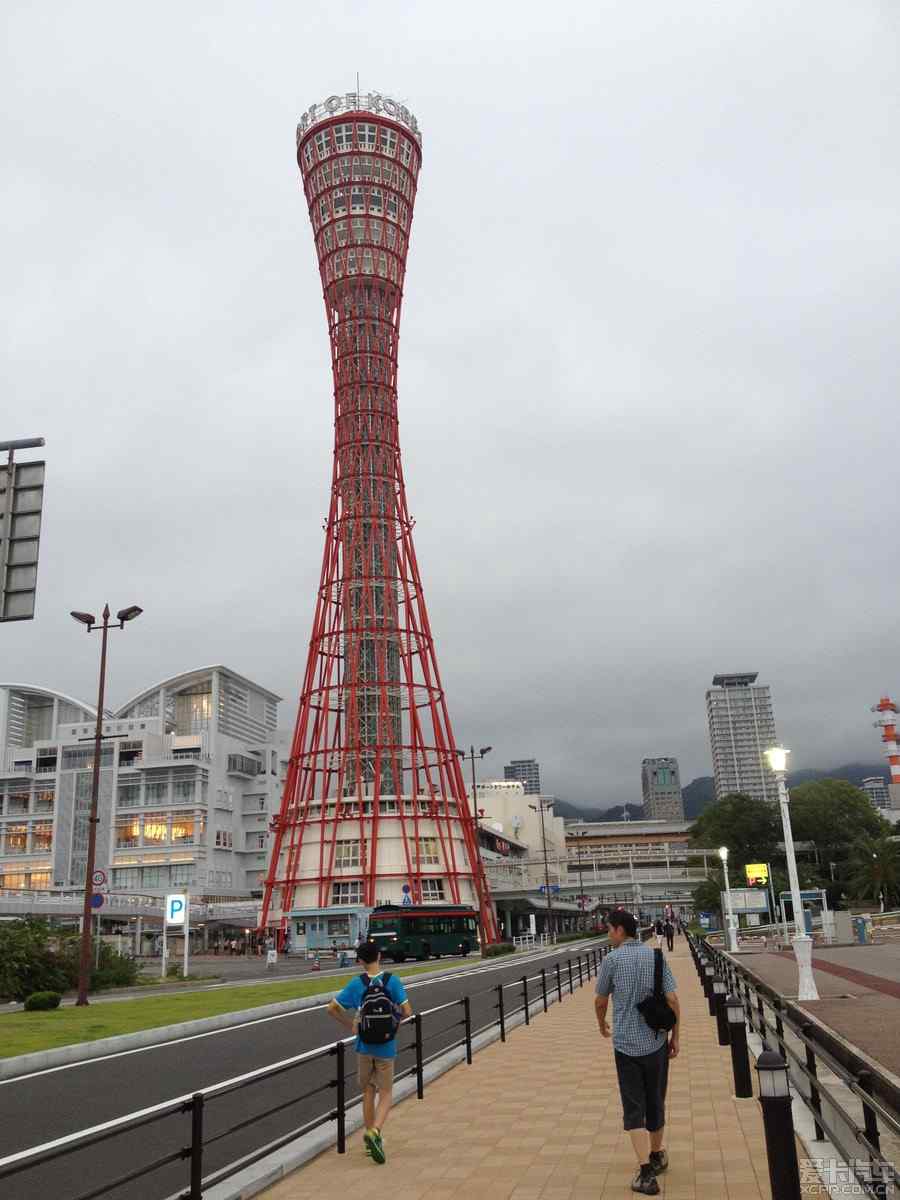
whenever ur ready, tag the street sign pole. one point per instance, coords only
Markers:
(165, 947)
(187, 932)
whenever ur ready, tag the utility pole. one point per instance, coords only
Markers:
(551, 922)
(476, 849)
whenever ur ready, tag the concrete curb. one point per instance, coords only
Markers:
(42, 1060)
(271, 1169)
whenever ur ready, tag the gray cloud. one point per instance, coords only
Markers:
(648, 375)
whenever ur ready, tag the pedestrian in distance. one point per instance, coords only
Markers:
(658, 927)
(669, 931)
(372, 1006)
(645, 1037)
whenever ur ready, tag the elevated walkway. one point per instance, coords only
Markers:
(539, 1119)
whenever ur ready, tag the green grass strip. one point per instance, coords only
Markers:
(27, 1032)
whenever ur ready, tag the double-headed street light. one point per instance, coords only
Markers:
(541, 807)
(807, 990)
(91, 623)
(729, 916)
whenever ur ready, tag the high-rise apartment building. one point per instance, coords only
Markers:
(741, 729)
(527, 771)
(876, 788)
(661, 789)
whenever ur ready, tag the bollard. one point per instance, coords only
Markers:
(525, 1002)
(708, 972)
(501, 1013)
(778, 1122)
(740, 1059)
(467, 1022)
(420, 1056)
(719, 1004)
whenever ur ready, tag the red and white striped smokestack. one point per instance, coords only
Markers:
(887, 722)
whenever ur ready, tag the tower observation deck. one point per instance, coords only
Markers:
(374, 808)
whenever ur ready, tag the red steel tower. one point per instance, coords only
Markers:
(374, 808)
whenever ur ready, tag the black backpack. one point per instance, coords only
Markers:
(377, 1012)
(655, 1008)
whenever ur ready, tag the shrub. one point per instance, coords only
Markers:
(41, 1001)
(578, 937)
(496, 949)
(28, 963)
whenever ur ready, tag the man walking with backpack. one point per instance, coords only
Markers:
(373, 1005)
(646, 1008)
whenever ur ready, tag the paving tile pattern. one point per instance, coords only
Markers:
(539, 1119)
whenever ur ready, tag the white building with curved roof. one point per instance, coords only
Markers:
(190, 776)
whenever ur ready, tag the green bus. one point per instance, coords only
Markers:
(420, 931)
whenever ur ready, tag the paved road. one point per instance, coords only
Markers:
(37, 1108)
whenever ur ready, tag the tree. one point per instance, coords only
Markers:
(833, 814)
(748, 827)
(706, 897)
(875, 869)
(27, 961)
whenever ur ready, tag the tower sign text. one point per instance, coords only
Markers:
(372, 102)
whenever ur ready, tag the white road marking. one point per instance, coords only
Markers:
(193, 1037)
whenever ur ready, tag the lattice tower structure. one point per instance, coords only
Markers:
(374, 807)
(887, 722)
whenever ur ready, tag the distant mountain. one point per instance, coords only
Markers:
(571, 812)
(701, 792)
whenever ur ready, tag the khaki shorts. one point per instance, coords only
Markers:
(375, 1072)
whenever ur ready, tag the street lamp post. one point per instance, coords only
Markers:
(539, 807)
(472, 757)
(777, 760)
(89, 621)
(729, 918)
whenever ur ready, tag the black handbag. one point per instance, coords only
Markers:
(656, 1010)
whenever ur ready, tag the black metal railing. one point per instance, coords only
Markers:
(811, 1051)
(324, 1069)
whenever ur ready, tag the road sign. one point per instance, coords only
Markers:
(407, 901)
(21, 500)
(176, 909)
(96, 901)
(271, 958)
(98, 878)
(757, 874)
(554, 888)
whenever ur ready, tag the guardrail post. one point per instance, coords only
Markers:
(341, 1051)
(748, 1003)
(864, 1079)
(544, 986)
(558, 984)
(737, 1036)
(761, 1018)
(579, 970)
(467, 1019)
(525, 999)
(778, 1122)
(501, 1012)
(571, 980)
(709, 972)
(779, 1029)
(420, 1056)
(815, 1100)
(196, 1191)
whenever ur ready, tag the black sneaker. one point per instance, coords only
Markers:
(659, 1161)
(645, 1183)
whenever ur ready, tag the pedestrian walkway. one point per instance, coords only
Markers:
(539, 1119)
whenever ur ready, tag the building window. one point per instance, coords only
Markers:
(128, 795)
(346, 853)
(349, 891)
(42, 836)
(16, 839)
(323, 144)
(432, 889)
(388, 141)
(224, 839)
(126, 877)
(155, 829)
(157, 793)
(156, 877)
(427, 854)
(183, 827)
(183, 873)
(128, 832)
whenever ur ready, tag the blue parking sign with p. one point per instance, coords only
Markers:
(175, 909)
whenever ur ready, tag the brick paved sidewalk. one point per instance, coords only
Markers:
(539, 1119)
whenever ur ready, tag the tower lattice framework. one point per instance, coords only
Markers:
(373, 764)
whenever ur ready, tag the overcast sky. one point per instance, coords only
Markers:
(648, 365)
